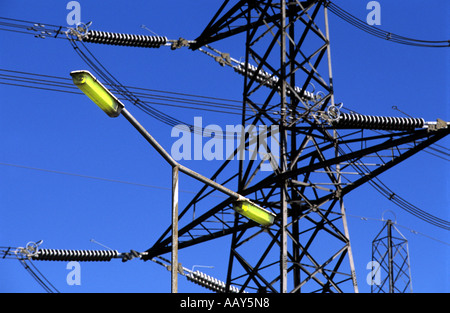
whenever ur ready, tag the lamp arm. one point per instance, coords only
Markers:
(174, 163)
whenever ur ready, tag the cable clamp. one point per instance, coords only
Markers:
(223, 59)
(334, 112)
(80, 31)
(181, 42)
(31, 249)
(130, 255)
(440, 124)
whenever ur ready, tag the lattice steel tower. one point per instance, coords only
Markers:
(390, 258)
(322, 154)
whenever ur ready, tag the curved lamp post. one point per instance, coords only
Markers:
(112, 106)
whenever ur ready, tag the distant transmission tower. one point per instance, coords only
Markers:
(390, 258)
(323, 154)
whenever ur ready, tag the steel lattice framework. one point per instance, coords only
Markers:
(320, 157)
(390, 252)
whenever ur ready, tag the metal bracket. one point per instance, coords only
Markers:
(440, 124)
(181, 42)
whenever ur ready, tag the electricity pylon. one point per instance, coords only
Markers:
(322, 154)
(390, 259)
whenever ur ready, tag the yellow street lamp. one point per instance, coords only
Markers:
(98, 93)
(254, 212)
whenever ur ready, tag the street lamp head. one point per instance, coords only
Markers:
(98, 93)
(254, 212)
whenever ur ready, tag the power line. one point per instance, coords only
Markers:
(173, 99)
(167, 120)
(38, 30)
(125, 92)
(408, 207)
(37, 275)
(415, 232)
(24, 256)
(41, 30)
(122, 90)
(396, 199)
(231, 102)
(351, 19)
(379, 186)
(155, 97)
(75, 35)
(424, 235)
(436, 148)
(402, 202)
(195, 102)
(102, 72)
(98, 178)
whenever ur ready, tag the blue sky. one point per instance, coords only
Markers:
(46, 134)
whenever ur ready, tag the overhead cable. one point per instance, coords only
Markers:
(37, 29)
(374, 31)
(208, 104)
(130, 96)
(33, 252)
(150, 96)
(379, 186)
(24, 255)
(82, 33)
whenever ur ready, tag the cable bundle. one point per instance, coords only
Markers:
(75, 255)
(346, 120)
(374, 31)
(119, 39)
